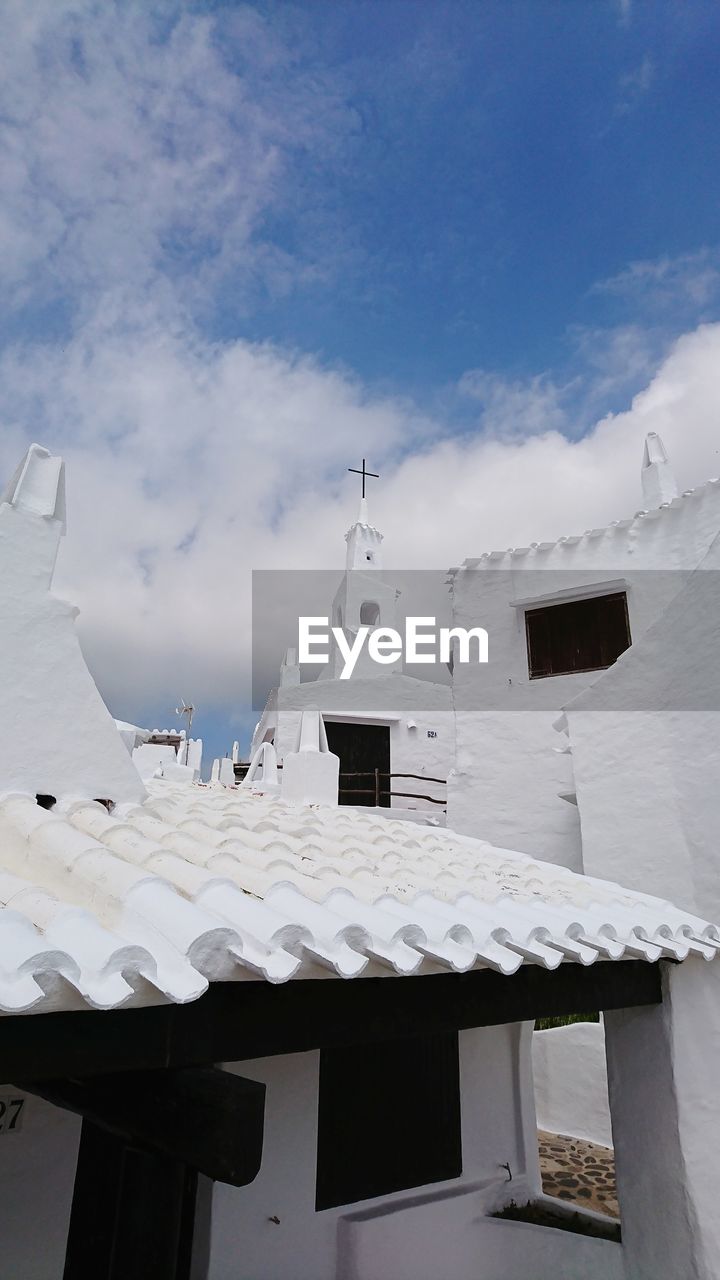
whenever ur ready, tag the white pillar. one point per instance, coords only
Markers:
(310, 772)
(226, 773)
(194, 755)
(658, 479)
(262, 775)
(664, 1087)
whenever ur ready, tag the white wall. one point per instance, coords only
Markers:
(665, 1102)
(570, 1076)
(497, 1128)
(37, 1175)
(509, 773)
(646, 755)
(58, 738)
(507, 783)
(150, 756)
(453, 1239)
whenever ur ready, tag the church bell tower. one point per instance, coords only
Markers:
(364, 598)
(364, 542)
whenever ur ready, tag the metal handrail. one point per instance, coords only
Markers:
(370, 773)
(406, 795)
(377, 791)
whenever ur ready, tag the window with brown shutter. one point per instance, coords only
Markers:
(388, 1118)
(580, 635)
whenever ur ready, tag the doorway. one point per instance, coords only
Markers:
(364, 752)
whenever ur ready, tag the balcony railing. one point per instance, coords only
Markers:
(378, 790)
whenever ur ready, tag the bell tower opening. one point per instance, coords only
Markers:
(369, 613)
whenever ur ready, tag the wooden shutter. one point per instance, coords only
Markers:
(582, 635)
(388, 1118)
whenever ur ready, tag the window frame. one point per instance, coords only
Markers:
(584, 599)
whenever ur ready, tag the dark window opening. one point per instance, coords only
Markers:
(582, 635)
(388, 1118)
(45, 802)
(369, 613)
(564, 1020)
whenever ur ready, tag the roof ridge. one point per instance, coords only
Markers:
(700, 490)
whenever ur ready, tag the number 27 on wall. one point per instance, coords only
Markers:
(10, 1113)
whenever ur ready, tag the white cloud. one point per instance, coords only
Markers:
(613, 362)
(634, 84)
(688, 280)
(515, 408)
(190, 464)
(139, 157)
(184, 461)
(144, 168)
(640, 78)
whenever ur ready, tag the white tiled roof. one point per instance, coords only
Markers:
(153, 901)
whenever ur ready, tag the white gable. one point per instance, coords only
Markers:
(58, 737)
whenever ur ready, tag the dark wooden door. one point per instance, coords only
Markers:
(362, 749)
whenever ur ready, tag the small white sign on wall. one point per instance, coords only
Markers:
(11, 1113)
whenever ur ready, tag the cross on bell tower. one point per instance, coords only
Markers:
(364, 473)
(363, 539)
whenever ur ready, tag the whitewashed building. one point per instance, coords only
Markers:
(644, 745)
(163, 753)
(558, 614)
(367, 984)
(605, 761)
(394, 734)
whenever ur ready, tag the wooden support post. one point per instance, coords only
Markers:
(145, 1135)
(132, 1214)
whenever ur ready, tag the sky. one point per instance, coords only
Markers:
(244, 245)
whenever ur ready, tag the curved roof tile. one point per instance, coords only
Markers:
(200, 883)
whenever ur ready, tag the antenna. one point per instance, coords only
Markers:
(186, 709)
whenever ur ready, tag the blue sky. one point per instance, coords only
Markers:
(502, 160)
(243, 245)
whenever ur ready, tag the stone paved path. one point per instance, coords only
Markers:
(584, 1172)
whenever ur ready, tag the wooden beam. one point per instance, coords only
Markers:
(235, 1021)
(209, 1120)
(132, 1214)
